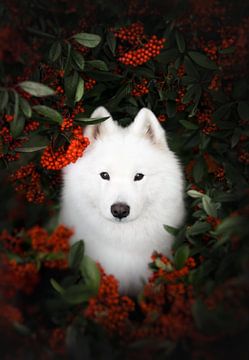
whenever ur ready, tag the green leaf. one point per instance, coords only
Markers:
(79, 90)
(90, 121)
(90, 273)
(76, 254)
(243, 110)
(86, 39)
(71, 83)
(22, 329)
(195, 194)
(209, 206)
(77, 294)
(57, 286)
(180, 42)
(181, 255)
(26, 108)
(4, 98)
(36, 89)
(30, 149)
(189, 125)
(78, 59)
(202, 60)
(55, 51)
(167, 56)
(48, 112)
(170, 108)
(190, 68)
(222, 112)
(198, 170)
(17, 126)
(98, 64)
(171, 230)
(199, 227)
(228, 50)
(111, 41)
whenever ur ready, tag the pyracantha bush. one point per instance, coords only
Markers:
(188, 62)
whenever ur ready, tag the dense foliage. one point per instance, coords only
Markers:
(187, 61)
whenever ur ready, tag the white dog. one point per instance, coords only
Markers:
(118, 196)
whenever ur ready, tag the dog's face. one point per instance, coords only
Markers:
(123, 169)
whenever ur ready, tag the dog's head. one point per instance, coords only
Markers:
(123, 170)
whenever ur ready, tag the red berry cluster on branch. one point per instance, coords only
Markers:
(28, 181)
(64, 155)
(140, 89)
(133, 34)
(143, 54)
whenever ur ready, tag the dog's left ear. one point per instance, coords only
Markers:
(108, 126)
(146, 124)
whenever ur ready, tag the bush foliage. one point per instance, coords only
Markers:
(187, 61)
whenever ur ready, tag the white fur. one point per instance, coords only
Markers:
(124, 247)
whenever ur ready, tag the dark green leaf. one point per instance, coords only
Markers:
(209, 206)
(71, 83)
(89, 121)
(189, 125)
(78, 59)
(202, 60)
(228, 50)
(167, 56)
(57, 286)
(181, 255)
(243, 110)
(76, 254)
(55, 51)
(30, 149)
(98, 64)
(86, 39)
(170, 108)
(36, 89)
(171, 230)
(180, 42)
(90, 273)
(4, 98)
(111, 41)
(190, 68)
(77, 294)
(199, 227)
(79, 90)
(26, 108)
(198, 170)
(222, 112)
(48, 112)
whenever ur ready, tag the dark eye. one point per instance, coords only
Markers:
(138, 177)
(105, 175)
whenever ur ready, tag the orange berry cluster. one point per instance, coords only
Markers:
(133, 34)
(181, 71)
(11, 243)
(57, 341)
(220, 174)
(140, 89)
(179, 105)
(63, 156)
(67, 123)
(10, 314)
(205, 118)
(18, 277)
(211, 50)
(108, 308)
(143, 54)
(28, 181)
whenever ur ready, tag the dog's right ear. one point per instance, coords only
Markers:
(106, 127)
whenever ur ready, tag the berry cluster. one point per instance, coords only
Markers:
(141, 88)
(143, 54)
(57, 160)
(89, 83)
(133, 34)
(108, 308)
(28, 181)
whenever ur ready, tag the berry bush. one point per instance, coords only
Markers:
(188, 62)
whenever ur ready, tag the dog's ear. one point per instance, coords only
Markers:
(108, 126)
(146, 124)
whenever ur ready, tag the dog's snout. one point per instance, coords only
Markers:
(120, 210)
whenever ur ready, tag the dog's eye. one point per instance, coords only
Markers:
(138, 177)
(105, 175)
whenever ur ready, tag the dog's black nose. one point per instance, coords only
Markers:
(120, 210)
